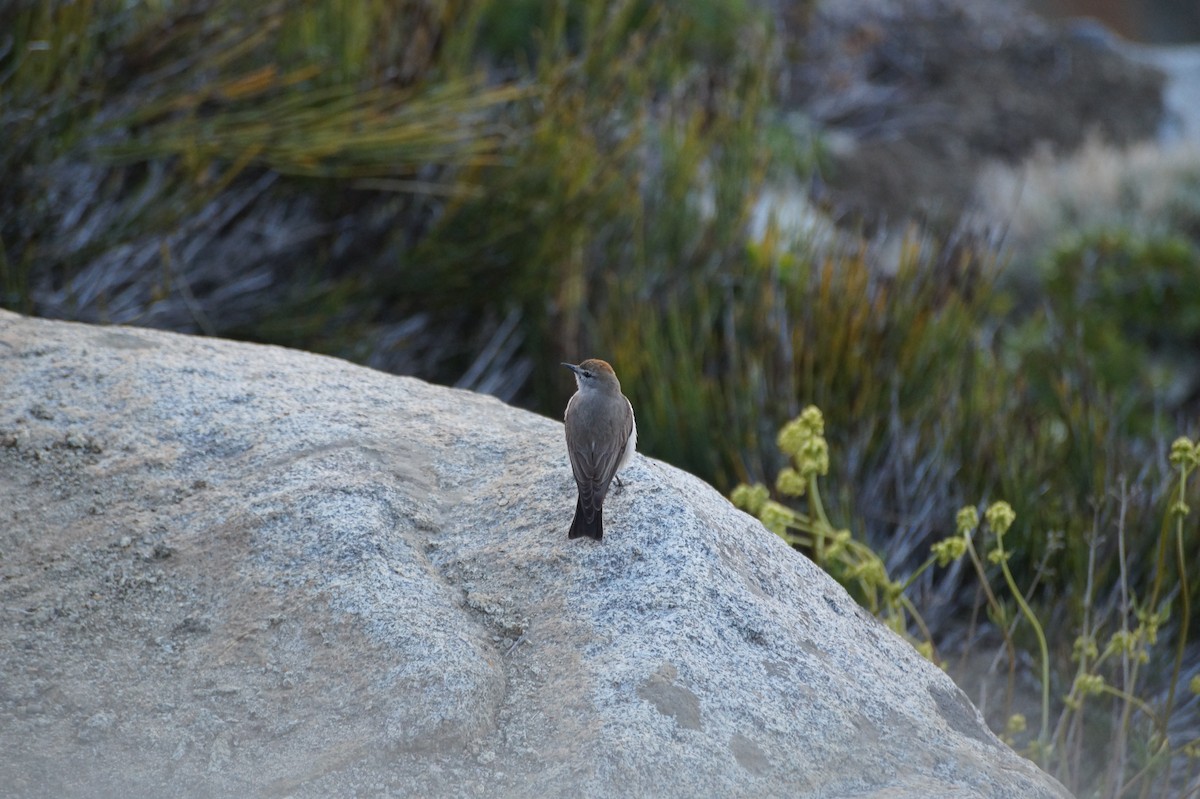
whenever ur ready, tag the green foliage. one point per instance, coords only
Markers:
(343, 131)
(707, 32)
(1133, 306)
(1093, 366)
(1097, 682)
(742, 339)
(187, 97)
(628, 196)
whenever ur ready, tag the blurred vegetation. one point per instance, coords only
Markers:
(473, 191)
(1103, 730)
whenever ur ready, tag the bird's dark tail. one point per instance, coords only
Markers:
(585, 524)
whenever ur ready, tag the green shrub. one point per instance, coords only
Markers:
(1135, 305)
(1099, 365)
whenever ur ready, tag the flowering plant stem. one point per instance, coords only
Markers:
(818, 513)
(1041, 636)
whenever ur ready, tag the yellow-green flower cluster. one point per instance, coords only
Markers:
(950, 549)
(803, 439)
(1088, 685)
(1185, 456)
(967, 520)
(1085, 647)
(750, 498)
(1000, 517)
(1148, 623)
(871, 571)
(1184, 453)
(776, 517)
(1127, 643)
(790, 483)
(836, 543)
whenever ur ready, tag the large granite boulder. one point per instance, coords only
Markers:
(231, 570)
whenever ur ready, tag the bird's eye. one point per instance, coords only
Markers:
(587, 374)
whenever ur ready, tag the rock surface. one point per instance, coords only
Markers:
(228, 569)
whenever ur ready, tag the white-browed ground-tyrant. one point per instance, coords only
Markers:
(601, 437)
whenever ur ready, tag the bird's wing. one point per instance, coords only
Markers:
(595, 455)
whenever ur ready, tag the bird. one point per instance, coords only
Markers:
(601, 439)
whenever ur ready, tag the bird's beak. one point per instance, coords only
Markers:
(572, 367)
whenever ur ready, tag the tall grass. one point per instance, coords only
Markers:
(132, 126)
